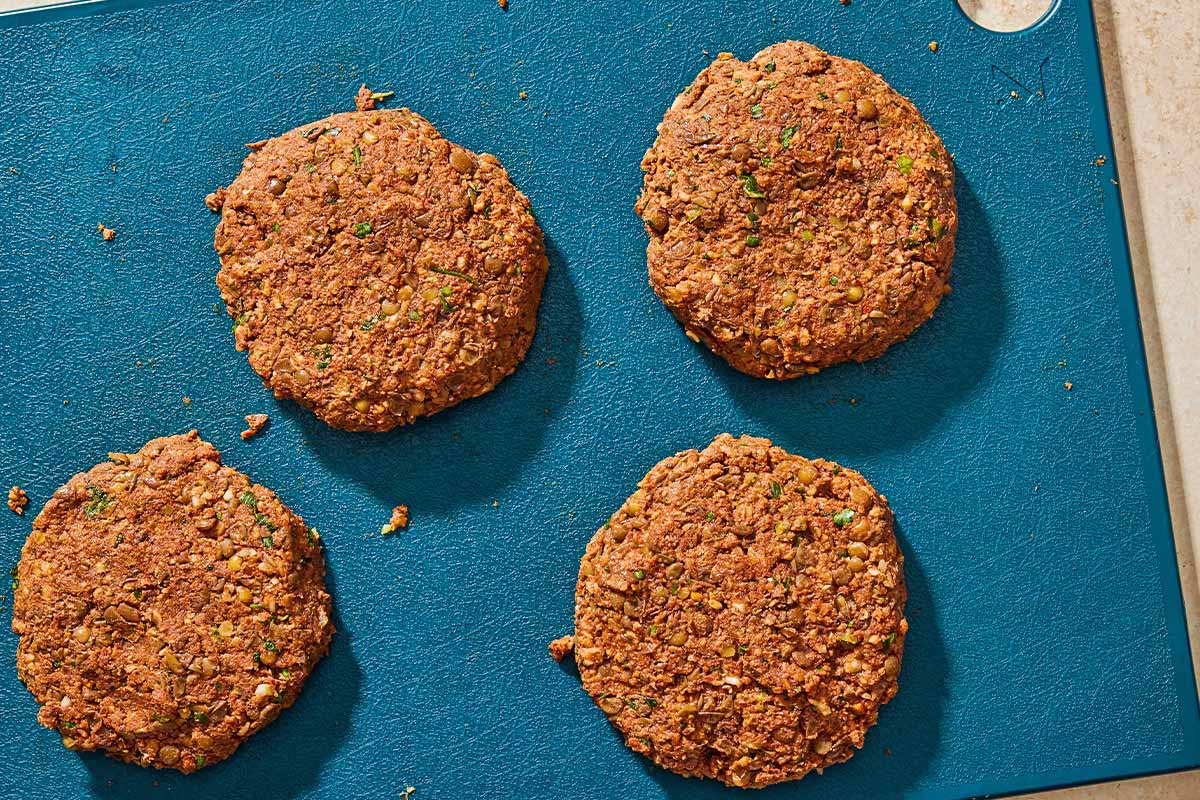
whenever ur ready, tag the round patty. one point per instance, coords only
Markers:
(167, 607)
(801, 213)
(741, 617)
(375, 271)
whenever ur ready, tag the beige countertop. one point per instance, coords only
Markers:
(1151, 54)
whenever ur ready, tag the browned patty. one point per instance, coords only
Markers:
(167, 607)
(741, 617)
(375, 271)
(801, 213)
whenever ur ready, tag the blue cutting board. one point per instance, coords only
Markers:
(1048, 644)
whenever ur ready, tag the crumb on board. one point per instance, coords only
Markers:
(1100, 161)
(187, 401)
(214, 200)
(17, 500)
(1068, 386)
(408, 792)
(366, 100)
(503, 4)
(561, 647)
(399, 520)
(524, 95)
(255, 423)
(495, 504)
(108, 233)
(933, 46)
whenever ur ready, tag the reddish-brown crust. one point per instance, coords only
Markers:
(167, 607)
(801, 213)
(741, 617)
(377, 272)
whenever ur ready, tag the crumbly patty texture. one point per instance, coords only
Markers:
(741, 617)
(167, 607)
(800, 211)
(375, 271)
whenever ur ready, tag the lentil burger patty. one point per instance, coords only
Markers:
(741, 617)
(800, 211)
(167, 607)
(377, 272)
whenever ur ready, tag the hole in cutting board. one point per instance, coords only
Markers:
(1005, 15)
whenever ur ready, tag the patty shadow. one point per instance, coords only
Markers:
(899, 749)
(284, 760)
(478, 446)
(892, 401)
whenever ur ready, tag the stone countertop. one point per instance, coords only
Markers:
(1151, 55)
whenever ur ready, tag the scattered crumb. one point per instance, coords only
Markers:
(399, 520)
(933, 46)
(187, 401)
(524, 95)
(66, 402)
(256, 146)
(845, 2)
(256, 423)
(114, 166)
(561, 647)
(108, 233)
(1013, 94)
(366, 100)
(17, 500)
(408, 792)
(216, 199)
(552, 361)
(495, 504)
(503, 4)
(13, 170)
(1068, 386)
(1100, 162)
(887, 751)
(166, 120)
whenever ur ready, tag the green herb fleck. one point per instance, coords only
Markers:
(807, 236)
(651, 702)
(770, 67)
(98, 500)
(370, 322)
(68, 725)
(363, 229)
(200, 761)
(248, 498)
(776, 490)
(162, 718)
(752, 218)
(455, 273)
(837, 142)
(753, 241)
(766, 161)
(905, 164)
(309, 167)
(889, 641)
(414, 314)
(756, 111)
(275, 228)
(833, 281)
(785, 137)
(843, 517)
(639, 574)
(325, 356)
(199, 716)
(269, 646)
(357, 154)
(312, 536)
(710, 516)
(265, 521)
(268, 541)
(285, 674)
(378, 96)
(837, 470)
(750, 186)
(240, 319)
(822, 96)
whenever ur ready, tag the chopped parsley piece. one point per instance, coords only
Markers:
(753, 241)
(837, 142)
(199, 716)
(163, 718)
(240, 319)
(414, 315)
(98, 500)
(312, 536)
(889, 641)
(248, 498)
(268, 541)
(357, 153)
(639, 574)
(756, 111)
(454, 273)
(200, 760)
(269, 646)
(285, 674)
(822, 96)
(752, 218)
(265, 521)
(833, 281)
(651, 702)
(785, 137)
(308, 166)
(750, 186)
(776, 489)
(275, 228)
(770, 67)
(843, 517)
(905, 164)
(68, 725)
(363, 229)
(325, 356)
(370, 322)
(710, 516)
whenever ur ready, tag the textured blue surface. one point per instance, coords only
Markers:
(1048, 644)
